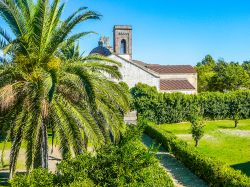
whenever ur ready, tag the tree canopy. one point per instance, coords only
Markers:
(221, 75)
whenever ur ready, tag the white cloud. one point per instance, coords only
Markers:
(1, 53)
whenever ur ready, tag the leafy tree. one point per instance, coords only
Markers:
(221, 75)
(229, 77)
(205, 72)
(197, 125)
(43, 85)
(207, 61)
(246, 66)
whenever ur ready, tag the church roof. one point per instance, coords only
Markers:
(140, 63)
(101, 51)
(169, 84)
(169, 69)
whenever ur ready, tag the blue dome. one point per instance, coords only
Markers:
(101, 50)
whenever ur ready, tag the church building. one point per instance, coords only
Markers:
(166, 78)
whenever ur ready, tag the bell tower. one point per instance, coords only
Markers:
(123, 41)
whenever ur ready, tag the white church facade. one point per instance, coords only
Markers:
(166, 78)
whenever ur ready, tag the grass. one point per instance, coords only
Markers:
(21, 157)
(221, 141)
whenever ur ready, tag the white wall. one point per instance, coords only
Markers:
(180, 91)
(133, 74)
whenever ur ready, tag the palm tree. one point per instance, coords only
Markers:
(41, 87)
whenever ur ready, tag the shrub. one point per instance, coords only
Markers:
(176, 107)
(37, 178)
(197, 125)
(84, 183)
(215, 173)
(128, 163)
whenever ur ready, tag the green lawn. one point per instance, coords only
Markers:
(221, 140)
(21, 158)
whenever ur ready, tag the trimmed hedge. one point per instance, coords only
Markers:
(177, 107)
(215, 173)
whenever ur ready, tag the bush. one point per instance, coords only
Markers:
(176, 107)
(128, 163)
(197, 125)
(37, 178)
(215, 173)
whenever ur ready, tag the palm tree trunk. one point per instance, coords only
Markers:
(44, 146)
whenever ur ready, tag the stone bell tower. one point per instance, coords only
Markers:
(123, 41)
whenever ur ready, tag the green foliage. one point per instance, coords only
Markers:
(197, 131)
(37, 178)
(47, 83)
(215, 173)
(229, 77)
(222, 76)
(205, 72)
(128, 163)
(176, 107)
(84, 183)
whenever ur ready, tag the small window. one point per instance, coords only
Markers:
(123, 49)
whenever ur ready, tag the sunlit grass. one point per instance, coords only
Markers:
(221, 141)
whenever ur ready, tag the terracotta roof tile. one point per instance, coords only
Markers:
(169, 84)
(164, 69)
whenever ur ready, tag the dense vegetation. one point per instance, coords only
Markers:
(177, 107)
(46, 85)
(128, 163)
(214, 172)
(222, 76)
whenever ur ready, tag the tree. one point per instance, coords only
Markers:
(205, 72)
(197, 125)
(246, 66)
(229, 77)
(207, 61)
(41, 87)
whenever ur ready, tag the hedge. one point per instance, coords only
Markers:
(177, 107)
(214, 172)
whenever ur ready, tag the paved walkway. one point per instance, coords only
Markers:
(182, 176)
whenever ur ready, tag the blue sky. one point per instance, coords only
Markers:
(174, 31)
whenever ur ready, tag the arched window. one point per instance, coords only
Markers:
(123, 46)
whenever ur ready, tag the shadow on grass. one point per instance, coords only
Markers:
(226, 127)
(244, 167)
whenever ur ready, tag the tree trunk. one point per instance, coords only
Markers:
(236, 123)
(196, 143)
(44, 147)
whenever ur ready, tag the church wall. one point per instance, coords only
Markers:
(133, 74)
(180, 91)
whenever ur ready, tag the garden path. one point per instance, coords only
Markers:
(182, 176)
